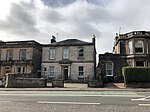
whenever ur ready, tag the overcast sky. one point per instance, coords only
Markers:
(80, 19)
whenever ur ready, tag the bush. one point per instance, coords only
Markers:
(136, 74)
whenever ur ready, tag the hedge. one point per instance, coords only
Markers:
(136, 74)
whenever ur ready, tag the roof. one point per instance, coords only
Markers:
(69, 42)
(20, 44)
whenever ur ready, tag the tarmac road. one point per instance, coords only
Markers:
(74, 101)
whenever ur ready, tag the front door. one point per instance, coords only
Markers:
(65, 71)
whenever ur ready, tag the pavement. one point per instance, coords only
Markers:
(81, 87)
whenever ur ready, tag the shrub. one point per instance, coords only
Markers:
(136, 74)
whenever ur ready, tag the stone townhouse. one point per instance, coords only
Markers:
(20, 57)
(130, 49)
(71, 59)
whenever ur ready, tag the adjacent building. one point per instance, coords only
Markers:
(130, 49)
(20, 57)
(70, 59)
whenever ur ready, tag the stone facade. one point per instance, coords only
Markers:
(20, 57)
(71, 59)
(130, 49)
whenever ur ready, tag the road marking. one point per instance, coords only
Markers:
(75, 103)
(142, 99)
(144, 104)
(5, 101)
(139, 99)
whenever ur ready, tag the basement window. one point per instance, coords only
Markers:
(140, 63)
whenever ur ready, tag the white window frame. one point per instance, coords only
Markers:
(140, 61)
(130, 63)
(106, 69)
(9, 55)
(0, 54)
(22, 54)
(81, 71)
(52, 54)
(147, 47)
(139, 46)
(51, 71)
(80, 52)
(130, 47)
(65, 53)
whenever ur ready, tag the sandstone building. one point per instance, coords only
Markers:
(20, 57)
(130, 49)
(70, 59)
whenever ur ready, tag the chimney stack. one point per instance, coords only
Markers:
(53, 40)
(93, 39)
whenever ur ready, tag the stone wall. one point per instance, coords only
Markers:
(12, 82)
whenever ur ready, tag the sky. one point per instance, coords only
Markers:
(78, 19)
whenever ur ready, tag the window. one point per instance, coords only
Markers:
(130, 49)
(19, 70)
(109, 68)
(139, 46)
(81, 71)
(147, 48)
(65, 53)
(9, 55)
(22, 54)
(51, 71)
(80, 52)
(52, 53)
(140, 63)
(130, 63)
(0, 54)
(23, 70)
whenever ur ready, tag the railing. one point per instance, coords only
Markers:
(137, 33)
(16, 61)
(72, 76)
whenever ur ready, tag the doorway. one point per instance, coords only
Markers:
(65, 72)
(7, 69)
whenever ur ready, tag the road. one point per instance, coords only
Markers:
(74, 101)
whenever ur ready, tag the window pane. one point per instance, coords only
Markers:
(9, 55)
(80, 52)
(130, 63)
(139, 43)
(51, 71)
(81, 72)
(130, 47)
(52, 53)
(0, 54)
(139, 46)
(22, 54)
(19, 70)
(65, 53)
(138, 50)
(109, 65)
(109, 68)
(23, 69)
(140, 63)
(109, 72)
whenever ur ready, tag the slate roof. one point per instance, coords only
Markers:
(70, 42)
